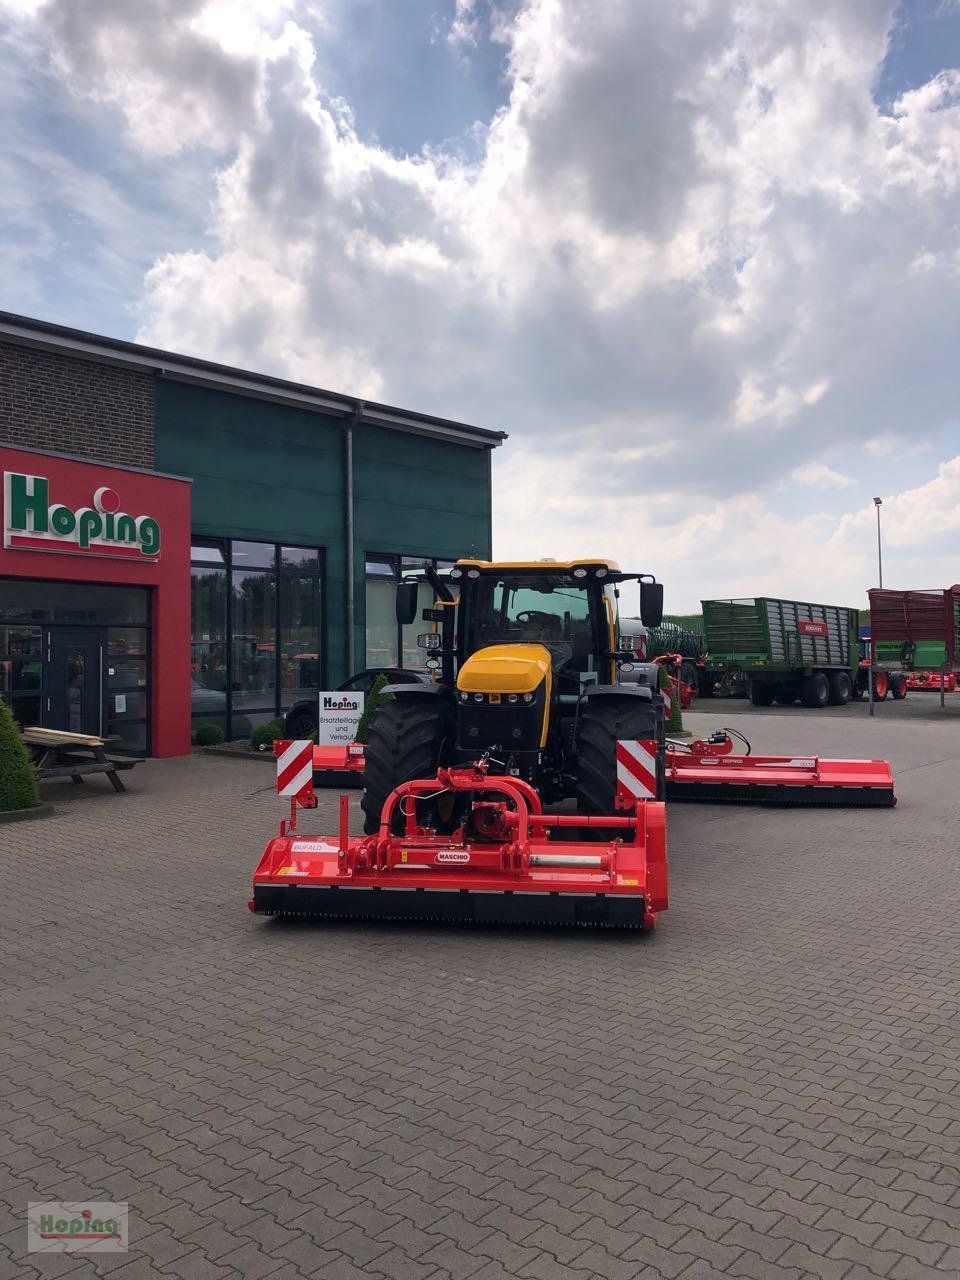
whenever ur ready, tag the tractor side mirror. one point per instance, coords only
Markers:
(651, 603)
(407, 593)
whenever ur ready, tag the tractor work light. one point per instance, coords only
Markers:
(478, 697)
(601, 573)
(579, 573)
(433, 664)
(456, 573)
(511, 697)
(464, 697)
(528, 697)
(430, 640)
(473, 573)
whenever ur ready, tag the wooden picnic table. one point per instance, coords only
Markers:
(59, 754)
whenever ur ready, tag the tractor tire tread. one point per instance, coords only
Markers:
(405, 742)
(603, 722)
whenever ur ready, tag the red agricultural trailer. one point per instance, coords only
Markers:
(917, 631)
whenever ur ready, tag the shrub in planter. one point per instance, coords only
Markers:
(18, 778)
(209, 735)
(378, 695)
(263, 737)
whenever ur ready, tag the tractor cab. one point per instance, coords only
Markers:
(519, 647)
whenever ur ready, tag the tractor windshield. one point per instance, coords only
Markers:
(539, 609)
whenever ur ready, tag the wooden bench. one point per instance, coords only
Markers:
(59, 754)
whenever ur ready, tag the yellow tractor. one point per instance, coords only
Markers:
(527, 659)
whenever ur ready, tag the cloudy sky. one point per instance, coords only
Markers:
(701, 258)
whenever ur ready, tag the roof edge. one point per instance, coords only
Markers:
(27, 331)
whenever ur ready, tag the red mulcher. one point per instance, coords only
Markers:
(508, 861)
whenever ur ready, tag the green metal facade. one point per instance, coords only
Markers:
(268, 472)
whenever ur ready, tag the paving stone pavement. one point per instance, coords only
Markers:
(768, 1087)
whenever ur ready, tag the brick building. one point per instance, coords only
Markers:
(189, 543)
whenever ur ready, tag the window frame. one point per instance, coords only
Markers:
(279, 572)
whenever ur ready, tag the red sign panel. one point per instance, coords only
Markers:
(807, 628)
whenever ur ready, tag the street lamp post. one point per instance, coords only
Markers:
(878, 503)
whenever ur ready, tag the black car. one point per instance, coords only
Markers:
(301, 719)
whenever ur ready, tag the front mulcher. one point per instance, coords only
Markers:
(506, 861)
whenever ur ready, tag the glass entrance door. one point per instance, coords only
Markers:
(75, 685)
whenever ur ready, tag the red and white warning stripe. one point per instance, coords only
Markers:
(294, 768)
(636, 770)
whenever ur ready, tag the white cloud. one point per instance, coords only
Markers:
(819, 476)
(691, 246)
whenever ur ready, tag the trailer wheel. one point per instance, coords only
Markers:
(603, 722)
(759, 693)
(405, 741)
(898, 685)
(816, 690)
(841, 689)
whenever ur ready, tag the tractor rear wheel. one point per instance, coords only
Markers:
(603, 722)
(881, 686)
(406, 741)
(898, 685)
(760, 693)
(816, 690)
(841, 689)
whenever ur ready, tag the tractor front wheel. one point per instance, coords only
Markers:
(605, 721)
(406, 741)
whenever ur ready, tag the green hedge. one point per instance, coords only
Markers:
(266, 735)
(18, 778)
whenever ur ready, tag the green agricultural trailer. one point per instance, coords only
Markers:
(785, 649)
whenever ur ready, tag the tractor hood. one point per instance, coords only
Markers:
(505, 668)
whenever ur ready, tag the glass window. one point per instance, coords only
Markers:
(300, 558)
(256, 631)
(381, 568)
(253, 555)
(300, 667)
(25, 708)
(540, 610)
(125, 673)
(127, 642)
(22, 599)
(132, 735)
(253, 671)
(381, 614)
(21, 661)
(208, 628)
(207, 553)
